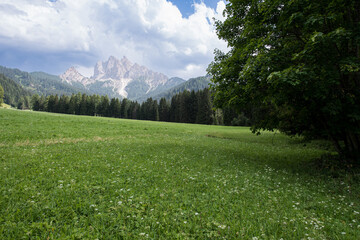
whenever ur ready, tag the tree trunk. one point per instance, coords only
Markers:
(352, 146)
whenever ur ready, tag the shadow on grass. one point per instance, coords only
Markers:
(327, 164)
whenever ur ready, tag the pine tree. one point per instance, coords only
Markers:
(175, 109)
(104, 106)
(63, 104)
(164, 109)
(42, 103)
(72, 105)
(205, 112)
(193, 107)
(91, 105)
(124, 108)
(50, 103)
(155, 111)
(35, 102)
(184, 106)
(83, 105)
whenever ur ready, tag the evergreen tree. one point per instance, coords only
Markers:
(63, 104)
(142, 112)
(205, 112)
(124, 108)
(164, 109)
(184, 107)
(72, 104)
(83, 105)
(1, 95)
(56, 103)
(155, 111)
(35, 102)
(104, 106)
(97, 100)
(175, 109)
(78, 98)
(130, 110)
(115, 108)
(91, 105)
(50, 103)
(42, 103)
(193, 107)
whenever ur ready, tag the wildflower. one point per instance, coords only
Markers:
(119, 202)
(222, 226)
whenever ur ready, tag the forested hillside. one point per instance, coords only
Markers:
(14, 94)
(193, 84)
(41, 83)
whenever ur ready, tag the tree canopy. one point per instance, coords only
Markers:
(297, 62)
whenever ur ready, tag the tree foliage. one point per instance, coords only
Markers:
(298, 63)
(1, 94)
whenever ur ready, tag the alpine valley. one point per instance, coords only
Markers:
(114, 77)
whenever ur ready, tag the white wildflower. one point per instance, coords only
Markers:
(222, 226)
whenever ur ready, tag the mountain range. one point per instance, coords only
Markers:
(121, 78)
(114, 77)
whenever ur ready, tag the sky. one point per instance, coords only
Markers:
(174, 37)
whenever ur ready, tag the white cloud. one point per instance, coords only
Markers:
(150, 32)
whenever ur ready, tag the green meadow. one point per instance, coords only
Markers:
(79, 177)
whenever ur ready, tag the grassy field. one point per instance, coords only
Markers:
(4, 105)
(77, 177)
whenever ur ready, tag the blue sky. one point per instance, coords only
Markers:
(176, 38)
(186, 7)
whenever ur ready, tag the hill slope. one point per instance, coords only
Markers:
(13, 92)
(41, 83)
(195, 84)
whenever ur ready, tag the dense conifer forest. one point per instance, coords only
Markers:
(184, 107)
(14, 94)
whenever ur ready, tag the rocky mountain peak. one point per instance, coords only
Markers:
(112, 68)
(72, 75)
(119, 78)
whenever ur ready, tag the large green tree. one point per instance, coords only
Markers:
(298, 63)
